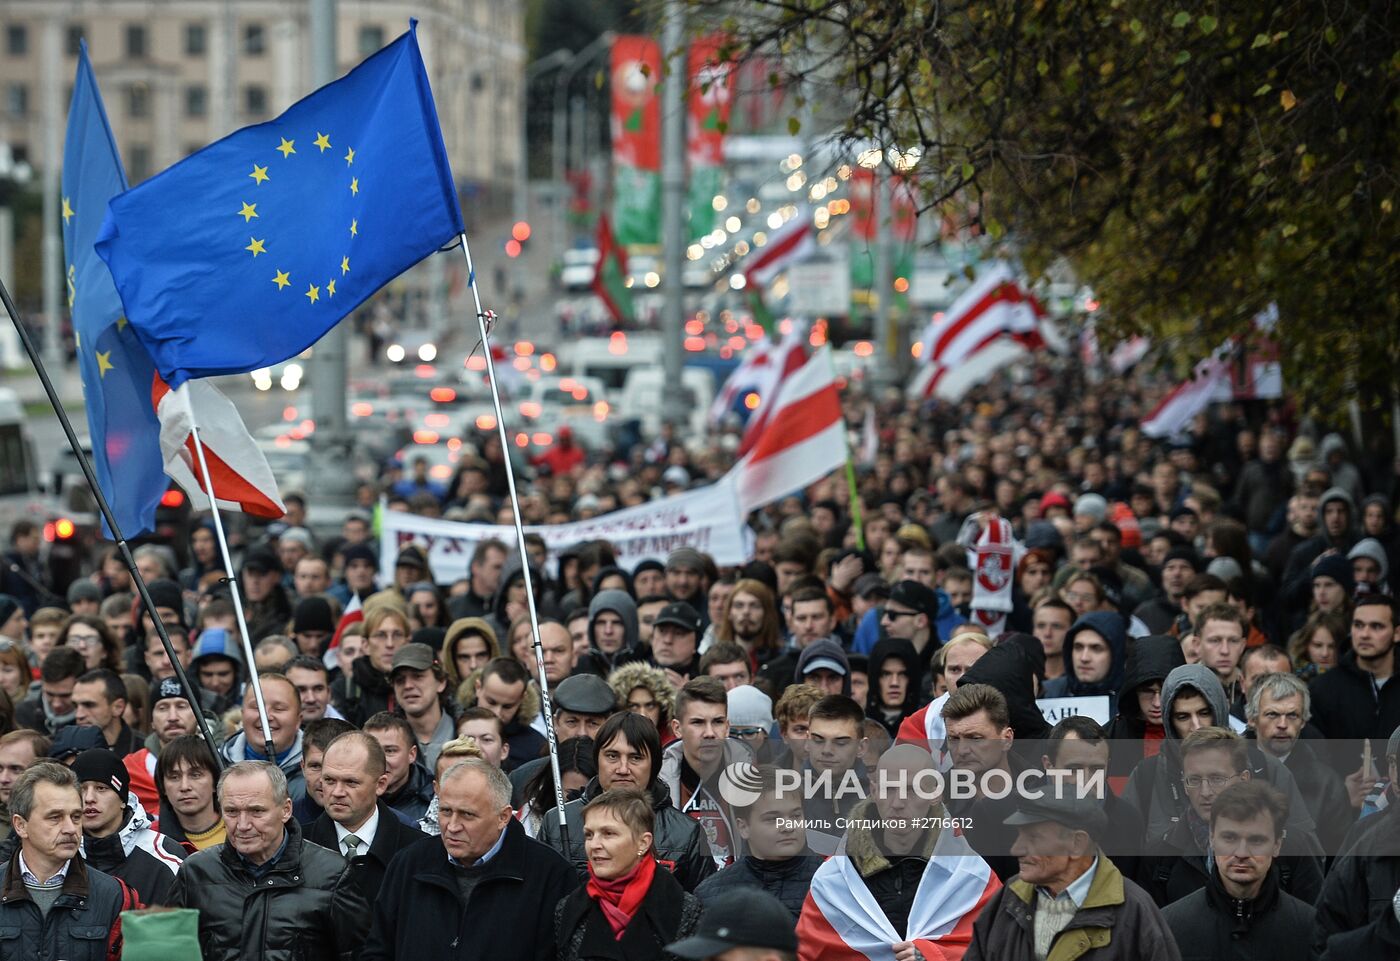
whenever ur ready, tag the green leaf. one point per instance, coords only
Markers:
(1263, 89)
(968, 171)
(1181, 19)
(794, 125)
(1042, 68)
(1207, 23)
(1260, 40)
(1182, 57)
(1340, 91)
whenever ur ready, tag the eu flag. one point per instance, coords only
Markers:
(116, 370)
(245, 253)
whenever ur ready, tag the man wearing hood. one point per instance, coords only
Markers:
(1377, 521)
(1337, 530)
(1139, 716)
(613, 638)
(1370, 567)
(1192, 698)
(895, 683)
(117, 835)
(1345, 474)
(824, 665)
(1095, 655)
(508, 601)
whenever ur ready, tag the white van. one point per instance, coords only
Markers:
(642, 398)
(611, 359)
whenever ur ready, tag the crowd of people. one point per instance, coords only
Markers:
(1211, 614)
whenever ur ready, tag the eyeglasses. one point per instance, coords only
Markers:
(388, 636)
(890, 615)
(1194, 782)
(81, 641)
(1079, 597)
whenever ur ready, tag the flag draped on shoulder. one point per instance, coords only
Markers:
(842, 921)
(801, 440)
(244, 253)
(997, 307)
(132, 437)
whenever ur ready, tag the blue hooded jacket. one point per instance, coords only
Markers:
(1115, 631)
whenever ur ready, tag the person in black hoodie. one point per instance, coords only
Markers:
(1084, 675)
(1139, 718)
(895, 683)
(1242, 912)
(1356, 699)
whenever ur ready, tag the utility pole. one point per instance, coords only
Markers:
(560, 148)
(882, 201)
(330, 441)
(673, 240)
(52, 49)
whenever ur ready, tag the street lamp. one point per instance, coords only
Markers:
(562, 81)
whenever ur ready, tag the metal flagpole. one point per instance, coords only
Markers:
(550, 735)
(271, 752)
(185, 686)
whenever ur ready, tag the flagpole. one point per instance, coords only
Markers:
(122, 546)
(550, 734)
(270, 750)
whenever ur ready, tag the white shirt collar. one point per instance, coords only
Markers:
(1078, 889)
(26, 875)
(365, 833)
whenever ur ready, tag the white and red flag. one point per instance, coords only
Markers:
(995, 573)
(240, 473)
(795, 240)
(353, 615)
(783, 362)
(997, 307)
(842, 921)
(802, 437)
(1210, 380)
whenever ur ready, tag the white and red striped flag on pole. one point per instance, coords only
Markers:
(1210, 380)
(353, 615)
(802, 439)
(842, 921)
(242, 479)
(784, 361)
(996, 307)
(793, 241)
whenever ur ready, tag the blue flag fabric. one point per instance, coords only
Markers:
(116, 370)
(243, 254)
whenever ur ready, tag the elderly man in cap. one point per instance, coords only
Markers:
(675, 642)
(581, 704)
(420, 691)
(743, 925)
(1069, 899)
(686, 580)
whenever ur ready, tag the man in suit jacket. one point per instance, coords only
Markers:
(356, 822)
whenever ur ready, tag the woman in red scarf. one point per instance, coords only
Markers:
(629, 910)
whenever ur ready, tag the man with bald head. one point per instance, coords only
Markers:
(356, 821)
(436, 894)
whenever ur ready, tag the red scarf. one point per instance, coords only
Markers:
(621, 897)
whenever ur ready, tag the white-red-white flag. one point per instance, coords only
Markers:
(996, 307)
(803, 438)
(353, 615)
(783, 361)
(795, 240)
(1173, 414)
(240, 474)
(753, 375)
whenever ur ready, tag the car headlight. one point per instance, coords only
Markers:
(395, 353)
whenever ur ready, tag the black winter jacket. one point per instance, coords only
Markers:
(679, 841)
(1346, 704)
(896, 649)
(1355, 915)
(414, 795)
(1212, 926)
(363, 694)
(304, 909)
(84, 924)
(420, 915)
(788, 881)
(1175, 867)
(368, 867)
(145, 860)
(666, 915)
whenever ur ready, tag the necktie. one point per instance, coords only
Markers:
(352, 845)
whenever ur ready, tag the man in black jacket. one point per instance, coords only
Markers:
(408, 787)
(484, 894)
(269, 894)
(356, 822)
(627, 752)
(776, 858)
(1354, 700)
(52, 904)
(1242, 912)
(117, 835)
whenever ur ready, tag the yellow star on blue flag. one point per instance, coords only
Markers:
(193, 221)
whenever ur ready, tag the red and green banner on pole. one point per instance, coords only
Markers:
(610, 279)
(636, 141)
(710, 102)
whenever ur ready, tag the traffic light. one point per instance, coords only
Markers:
(519, 234)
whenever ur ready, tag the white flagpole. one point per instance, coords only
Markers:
(271, 752)
(550, 735)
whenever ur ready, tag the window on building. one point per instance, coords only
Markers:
(74, 43)
(255, 100)
(17, 100)
(196, 39)
(138, 100)
(371, 39)
(138, 162)
(136, 41)
(254, 40)
(196, 101)
(16, 39)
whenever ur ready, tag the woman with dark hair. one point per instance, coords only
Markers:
(426, 606)
(91, 638)
(628, 910)
(614, 579)
(576, 767)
